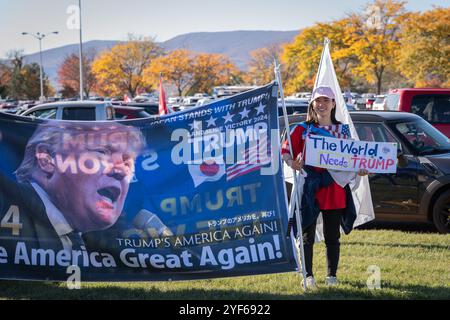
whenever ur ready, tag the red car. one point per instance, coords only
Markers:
(432, 104)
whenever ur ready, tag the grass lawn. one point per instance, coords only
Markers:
(412, 265)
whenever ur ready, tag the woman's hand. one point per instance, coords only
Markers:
(363, 172)
(297, 165)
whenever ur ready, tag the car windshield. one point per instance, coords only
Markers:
(423, 137)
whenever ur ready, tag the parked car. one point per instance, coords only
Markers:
(96, 98)
(174, 100)
(420, 190)
(302, 95)
(151, 108)
(84, 111)
(350, 107)
(352, 98)
(360, 103)
(25, 105)
(431, 104)
(146, 98)
(202, 95)
(293, 105)
(367, 101)
(225, 91)
(190, 101)
(204, 101)
(379, 103)
(9, 104)
(10, 110)
(127, 112)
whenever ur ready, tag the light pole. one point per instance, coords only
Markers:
(81, 54)
(40, 36)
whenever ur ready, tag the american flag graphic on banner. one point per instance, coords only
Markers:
(340, 131)
(253, 158)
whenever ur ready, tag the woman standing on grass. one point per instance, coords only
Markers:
(321, 192)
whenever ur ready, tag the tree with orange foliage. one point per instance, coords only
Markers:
(69, 75)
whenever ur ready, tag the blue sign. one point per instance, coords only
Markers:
(190, 195)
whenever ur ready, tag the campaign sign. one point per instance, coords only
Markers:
(189, 195)
(351, 155)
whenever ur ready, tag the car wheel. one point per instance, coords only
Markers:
(441, 213)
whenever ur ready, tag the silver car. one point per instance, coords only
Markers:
(72, 110)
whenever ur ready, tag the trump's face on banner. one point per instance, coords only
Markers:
(85, 170)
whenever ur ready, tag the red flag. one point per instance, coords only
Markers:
(162, 99)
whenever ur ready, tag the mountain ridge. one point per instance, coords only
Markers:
(237, 45)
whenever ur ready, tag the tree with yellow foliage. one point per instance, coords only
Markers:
(364, 48)
(121, 69)
(261, 65)
(301, 58)
(211, 70)
(425, 48)
(376, 44)
(177, 68)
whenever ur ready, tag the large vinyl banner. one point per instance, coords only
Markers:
(194, 194)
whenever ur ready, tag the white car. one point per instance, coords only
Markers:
(190, 101)
(379, 103)
(174, 100)
(146, 97)
(204, 101)
(303, 95)
(201, 95)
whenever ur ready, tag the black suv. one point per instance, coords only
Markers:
(420, 190)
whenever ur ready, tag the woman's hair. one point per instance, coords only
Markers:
(311, 116)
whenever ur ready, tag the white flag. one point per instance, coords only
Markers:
(326, 76)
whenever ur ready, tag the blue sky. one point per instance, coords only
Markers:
(164, 19)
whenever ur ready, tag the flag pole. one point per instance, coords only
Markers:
(326, 41)
(295, 200)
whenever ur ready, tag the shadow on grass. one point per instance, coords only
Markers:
(399, 245)
(348, 290)
(400, 226)
(53, 290)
